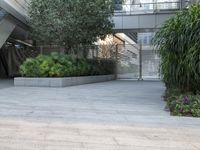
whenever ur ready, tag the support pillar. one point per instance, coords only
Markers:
(116, 61)
(140, 63)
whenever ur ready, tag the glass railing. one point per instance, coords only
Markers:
(143, 8)
(21, 6)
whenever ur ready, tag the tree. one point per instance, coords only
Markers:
(70, 23)
(195, 1)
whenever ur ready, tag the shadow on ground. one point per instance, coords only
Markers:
(6, 83)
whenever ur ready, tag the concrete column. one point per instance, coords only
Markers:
(116, 61)
(6, 28)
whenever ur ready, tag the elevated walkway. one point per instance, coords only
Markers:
(141, 22)
(137, 16)
(16, 8)
(12, 21)
(6, 28)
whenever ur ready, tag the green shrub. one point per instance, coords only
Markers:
(178, 43)
(30, 68)
(60, 65)
(184, 104)
(45, 64)
(58, 70)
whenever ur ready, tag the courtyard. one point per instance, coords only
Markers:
(144, 54)
(115, 115)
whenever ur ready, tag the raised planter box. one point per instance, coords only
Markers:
(61, 82)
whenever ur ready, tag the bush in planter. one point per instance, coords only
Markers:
(59, 65)
(186, 104)
(45, 64)
(178, 43)
(58, 70)
(30, 68)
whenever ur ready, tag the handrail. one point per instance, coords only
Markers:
(151, 3)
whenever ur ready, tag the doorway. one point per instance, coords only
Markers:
(137, 62)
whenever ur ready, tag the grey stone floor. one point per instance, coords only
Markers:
(125, 102)
(5, 83)
(110, 115)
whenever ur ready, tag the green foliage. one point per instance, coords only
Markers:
(178, 43)
(30, 63)
(60, 65)
(183, 104)
(70, 23)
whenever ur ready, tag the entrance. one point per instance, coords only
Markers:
(137, 62)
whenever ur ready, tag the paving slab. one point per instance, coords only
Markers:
(22, 135)
(116, 115)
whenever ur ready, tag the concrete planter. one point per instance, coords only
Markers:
(61, 82)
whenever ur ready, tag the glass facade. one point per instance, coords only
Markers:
(145, 38)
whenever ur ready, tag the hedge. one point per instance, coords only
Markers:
(61, 65)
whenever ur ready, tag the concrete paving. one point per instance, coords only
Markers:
(116, 115)
(5, 83)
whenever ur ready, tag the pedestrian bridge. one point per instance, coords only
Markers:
(141, 22)
(144, 17)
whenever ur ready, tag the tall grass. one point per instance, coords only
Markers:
(178, 43)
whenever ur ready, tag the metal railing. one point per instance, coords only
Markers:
(143, 8)
(133, 61)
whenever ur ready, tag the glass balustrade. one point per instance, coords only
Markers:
(148, 6)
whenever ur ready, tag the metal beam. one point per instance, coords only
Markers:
(6, 28)
(13, 11)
